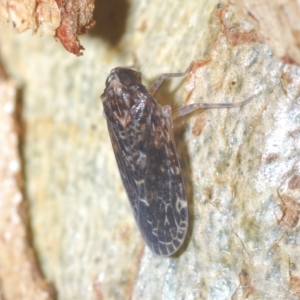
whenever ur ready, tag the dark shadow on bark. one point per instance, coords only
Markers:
(110, 17)
(24, 209)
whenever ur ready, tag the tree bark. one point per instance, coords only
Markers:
(240, 165)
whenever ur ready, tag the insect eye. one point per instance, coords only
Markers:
(126, 78)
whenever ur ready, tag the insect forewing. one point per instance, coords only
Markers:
(142, 138)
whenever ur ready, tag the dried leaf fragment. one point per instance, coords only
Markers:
(64, 19)
(76, 19)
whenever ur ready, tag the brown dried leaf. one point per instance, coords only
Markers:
(77, 18)
(62, 19)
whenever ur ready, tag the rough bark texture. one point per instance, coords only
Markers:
(241, 166)
(278, 24)
(20, 277)
(64, 19)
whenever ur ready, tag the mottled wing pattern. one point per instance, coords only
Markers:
(147, 159)
(166, 213)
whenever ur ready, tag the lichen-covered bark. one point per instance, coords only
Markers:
(240, 166)
(277, 23)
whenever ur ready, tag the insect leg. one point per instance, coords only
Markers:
(182, 111)
(157, 83)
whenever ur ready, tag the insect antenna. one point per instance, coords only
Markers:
(98, 69)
